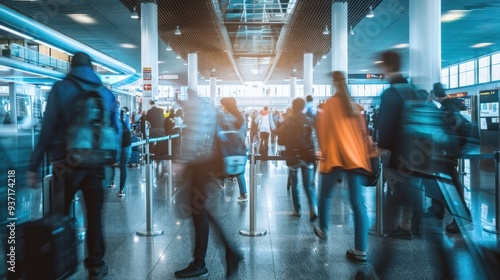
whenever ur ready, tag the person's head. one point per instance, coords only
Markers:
(391, 62)
(81, 59)
(298, 104)
(152, 103)
(172, 112)
(229, 105)
(339, 81)
(179, 113)
(309, 98)
(266, 108)
(438, 90)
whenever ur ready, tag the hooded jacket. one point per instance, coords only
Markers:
(60, 112)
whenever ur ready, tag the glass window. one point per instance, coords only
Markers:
(445, 76)
(453, 76)
(495, 67)
(466, 76)
(495, 59)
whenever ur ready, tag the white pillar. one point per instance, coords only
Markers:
(193, 72)
(149, 52)
(213, 90)
(425, 43)
(339, 37)
(293, 89)
(308, 74)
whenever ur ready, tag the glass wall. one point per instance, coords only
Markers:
(481, 70)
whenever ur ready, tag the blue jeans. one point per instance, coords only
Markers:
(242, 183)
(357, 202)
(124, 157)
(307, 170)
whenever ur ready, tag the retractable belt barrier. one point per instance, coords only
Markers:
(150, 228)
(461, 171)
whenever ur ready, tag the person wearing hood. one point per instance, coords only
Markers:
(59, 113)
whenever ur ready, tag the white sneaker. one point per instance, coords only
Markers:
(243, 197)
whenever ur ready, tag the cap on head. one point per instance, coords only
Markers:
(81, 59)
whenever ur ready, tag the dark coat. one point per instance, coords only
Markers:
(60, 112)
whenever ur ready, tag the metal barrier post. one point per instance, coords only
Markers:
(169, 164)
(461, 170)
(252, 231)
(496, 228)
(380, 203)
(149, 197)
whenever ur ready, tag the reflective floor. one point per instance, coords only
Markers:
(288, 250)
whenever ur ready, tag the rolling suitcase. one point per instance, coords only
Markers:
(50, 248)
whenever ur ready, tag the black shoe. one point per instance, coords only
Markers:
(453, 227)
(96, 273)
(431, 213)
(192, 270)
(400, 233)
(313, 217)
(233, 260)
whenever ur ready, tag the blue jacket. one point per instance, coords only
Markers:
(60, 111)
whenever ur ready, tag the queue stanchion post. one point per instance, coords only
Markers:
(496, 227)
(380, 203)
(252, 231)
(150, 228)
(169, 165)
(461, 170)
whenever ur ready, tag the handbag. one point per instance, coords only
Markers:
(375, 161)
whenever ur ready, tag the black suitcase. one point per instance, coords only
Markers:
(50, 248)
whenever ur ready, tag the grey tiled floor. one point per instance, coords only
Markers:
(289, 250)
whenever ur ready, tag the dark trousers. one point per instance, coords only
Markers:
(67, 181)
(204, 187)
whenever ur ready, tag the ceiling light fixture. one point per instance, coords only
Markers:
(323, 56)
(178, 56)
(453, 15)
(481, 45)
(15, 32)
(370, 13)
(351, 31)
(82, 18)
(401, 46)
(169, 48)
(213, 69)
(178, 31)
(326, 31)
(134, 13)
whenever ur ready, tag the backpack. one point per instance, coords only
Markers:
(296, 135)
(91, 139)
(126, 135)
(232, 149)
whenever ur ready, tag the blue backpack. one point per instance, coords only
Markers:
(232, 149)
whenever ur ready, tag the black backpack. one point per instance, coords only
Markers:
(296, 135)
(126, 134)
(91, 140)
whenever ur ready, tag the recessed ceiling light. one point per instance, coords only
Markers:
(82, 18)
(128, 46)
(481, 45)
(178, 57)
(453, 15)
(15, 32)
(364, 70)
(161, 61)
(401, 46)
(323, 56)
(378, 62)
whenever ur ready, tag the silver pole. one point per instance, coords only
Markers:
(461, 170)
(169, 164)
(496, 228)
(380, 203)
(252, 231)
(149, 197)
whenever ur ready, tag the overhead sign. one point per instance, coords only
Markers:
(458, 94)
(366, 76)
(147, 87)
(147, 74)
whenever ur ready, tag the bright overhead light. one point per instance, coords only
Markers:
(323, 56)
(401, 46)
(134, 13)
(127, 46)
(370, 13)
(185, 63)
(453, 15)
(3, 68)
(178, 31)
(161, 61)
(481, 45)
(15, 32)
(326, 31)
(378, 62)
(351, 31)
(169, 48)
(213, 70)
(82, 18)
(364, 70)
(294, 70)
(178, 56)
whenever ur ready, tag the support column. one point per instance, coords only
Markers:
(293, 89)
(193, 72)
(149, 52)
(339, 37)
(213, 90)
(425, 43)
(308, 74)
(13, 104)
